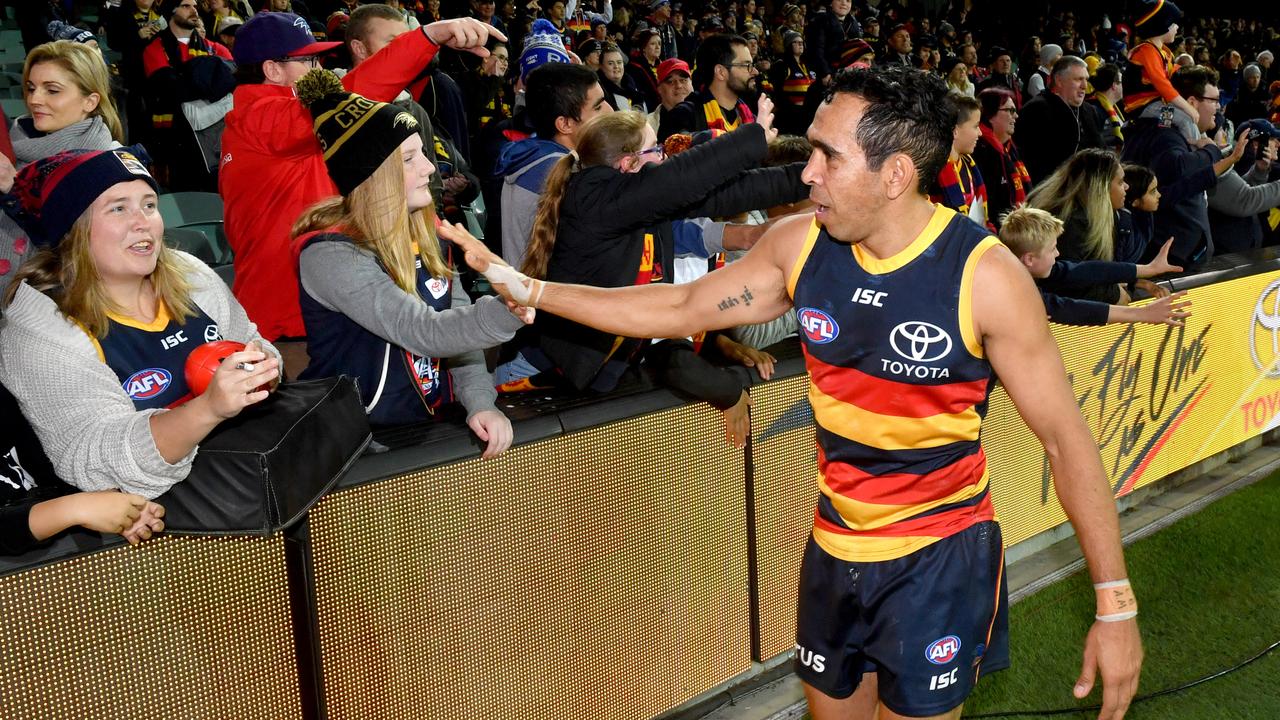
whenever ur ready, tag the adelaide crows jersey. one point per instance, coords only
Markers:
(151, 358)
(899, 387)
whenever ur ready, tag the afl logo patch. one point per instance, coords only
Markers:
(943, 650)
(818, 326)
(147, 383)
(437, 287)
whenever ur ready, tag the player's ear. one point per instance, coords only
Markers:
(899, 175)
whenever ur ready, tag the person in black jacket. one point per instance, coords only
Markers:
(35, 505)
(1031, 234)
(1186, 162)
(1053, 125)
(606, 220)
(825, 35)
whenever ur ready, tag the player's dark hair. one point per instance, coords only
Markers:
(907, 112)
(553, 91)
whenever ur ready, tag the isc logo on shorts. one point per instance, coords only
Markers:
(943, 650)
(147, 383)
(818, 326)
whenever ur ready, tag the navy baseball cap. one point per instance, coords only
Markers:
(272, 35)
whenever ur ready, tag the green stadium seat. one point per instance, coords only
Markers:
(227, 273)
(13, 107)
(194, 242)
(200, 212)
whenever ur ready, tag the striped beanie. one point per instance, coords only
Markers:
(355, 133)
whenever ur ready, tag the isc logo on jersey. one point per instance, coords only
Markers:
(818, 326)
(147, 383)
(943, 650)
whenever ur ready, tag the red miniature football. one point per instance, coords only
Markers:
(203, 362)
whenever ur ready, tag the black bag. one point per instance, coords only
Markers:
(262, 470)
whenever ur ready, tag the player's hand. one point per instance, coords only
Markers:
(506, 280)
(526, 314)
(737, 421)
(463, 34)
(494, 428)
(1168, 310)
(1115, 649)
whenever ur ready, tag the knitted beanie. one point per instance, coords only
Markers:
(1155, 17)
(542, 45)
(356, 133)
(53, 192)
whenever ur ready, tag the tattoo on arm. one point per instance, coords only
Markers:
(734, 300)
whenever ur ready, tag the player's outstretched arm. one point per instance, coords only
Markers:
(1010, 320)
(751, 290)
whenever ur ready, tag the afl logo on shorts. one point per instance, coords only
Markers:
(943, 650)
(147, 383)
(818, 326)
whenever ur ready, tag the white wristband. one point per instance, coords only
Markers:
(519, 285)
(1111, 584)
(1116, 617)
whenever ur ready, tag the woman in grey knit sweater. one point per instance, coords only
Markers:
(98, 323)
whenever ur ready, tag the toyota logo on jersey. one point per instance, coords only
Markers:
(818, 326)
(943, 650)
(920, 341)
(147, 383)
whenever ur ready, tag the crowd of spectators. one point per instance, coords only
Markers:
(550, 127)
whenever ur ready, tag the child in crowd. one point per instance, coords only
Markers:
(35, 505)
(380, 299)
(959, 184)
(1032, 235)
(1151, 63)
(1141, 201)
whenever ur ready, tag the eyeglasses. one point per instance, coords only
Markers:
(310, 60)
(749, 65)
(1215, 98)
(658, 150)
(1011, 111)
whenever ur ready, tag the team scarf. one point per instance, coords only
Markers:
(1115, 117)
(1017, 172)
(716, 119)
(960, 186)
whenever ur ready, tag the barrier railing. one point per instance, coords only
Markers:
(620, 560)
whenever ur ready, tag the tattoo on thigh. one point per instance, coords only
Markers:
(734, 300)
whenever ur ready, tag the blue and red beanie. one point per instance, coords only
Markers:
(542, 45)
(53, 192)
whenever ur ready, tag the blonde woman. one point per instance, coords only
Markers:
(99, 322)
(68, 97)
(379, 295)
(1085, 193)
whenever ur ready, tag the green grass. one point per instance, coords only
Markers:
(1209, 595)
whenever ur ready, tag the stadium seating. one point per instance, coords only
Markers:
(201, 212)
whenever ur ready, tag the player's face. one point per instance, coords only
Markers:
(417, 173)
(125, 231)
(849, 197)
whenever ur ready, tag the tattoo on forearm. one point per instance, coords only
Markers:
(734, 300)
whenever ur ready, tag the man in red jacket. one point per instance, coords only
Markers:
(272, 166)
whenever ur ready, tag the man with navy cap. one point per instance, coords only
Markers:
(272, 166)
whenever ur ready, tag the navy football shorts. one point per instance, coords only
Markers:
(928, 624)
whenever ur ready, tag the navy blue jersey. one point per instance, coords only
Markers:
(898, 385)
(150, 358)
(396, 385)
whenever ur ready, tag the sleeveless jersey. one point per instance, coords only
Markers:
(396, 386)
(899, 387)
(151, 358)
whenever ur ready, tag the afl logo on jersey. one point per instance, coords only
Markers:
(818, 326)
(437, 287)
(147, 383)
(943, 650)
(920, 341)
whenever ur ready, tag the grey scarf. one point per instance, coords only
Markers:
(90, 133)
